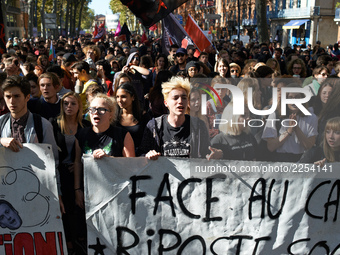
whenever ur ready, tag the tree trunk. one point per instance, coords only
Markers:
(76, 3)
(4, 32)
(67, 17)
(31, 6)
(80, 15)
(261, 16)
(42, 15)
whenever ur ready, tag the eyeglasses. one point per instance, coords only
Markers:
(100, 110)
(297, 68)
(233, 71)
(136, 58)
(179, 55)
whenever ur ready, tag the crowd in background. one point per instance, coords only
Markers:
(130, 98)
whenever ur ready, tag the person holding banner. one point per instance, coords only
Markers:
(65, 127)
(100, 140)
(21, 126)
(329, 150)
(235, 141)
(175, 134)
(290, 141)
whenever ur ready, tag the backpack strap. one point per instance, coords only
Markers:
(3, 121)
(38, 127)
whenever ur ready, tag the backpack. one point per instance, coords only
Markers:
(37, 125)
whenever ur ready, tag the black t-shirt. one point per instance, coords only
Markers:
(176, 140)
(111, 141)
(239, 147)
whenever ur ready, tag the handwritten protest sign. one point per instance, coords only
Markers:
(30, 218)
(182, 206)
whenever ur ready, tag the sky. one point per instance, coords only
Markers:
(101, 7)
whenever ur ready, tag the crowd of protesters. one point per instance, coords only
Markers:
(130, 98)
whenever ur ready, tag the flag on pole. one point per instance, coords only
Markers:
(51, 55)
(153, 28)
(144, 37)
(150, 12)
(125, 31)
(118, 29)
(173, 32)
(95, 32)
(101, 32)
(196, 34)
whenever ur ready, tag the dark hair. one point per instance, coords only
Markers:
(318, 70)
(174, 46)
(17, 81)
(323, 60)
(317, 103)
(146, 61)
(166, 61)
(279, 50)
(225, 62)
(57, 70)
(106, 67)
(129, 88)
(81, 65)
(263, 71)
(32, 77)
(162, 76)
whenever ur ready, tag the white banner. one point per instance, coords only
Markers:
(111, 20)
(182, 206)
(30, 218)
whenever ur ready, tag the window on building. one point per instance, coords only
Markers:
(298, 3)
(10, 3)
(291, 3)
(11, 20)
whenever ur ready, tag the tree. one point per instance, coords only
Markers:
(90, 17)
(125, 14)
(261, 16)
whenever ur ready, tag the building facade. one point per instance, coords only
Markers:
(15, 18)
(289, 21)
(295, 21)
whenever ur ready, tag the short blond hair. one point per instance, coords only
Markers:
(110, 101)
(175, 82)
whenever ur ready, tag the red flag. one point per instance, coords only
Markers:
(196, 34)
(144, 38)
(95, 32)
(101, 32)
(153, 28)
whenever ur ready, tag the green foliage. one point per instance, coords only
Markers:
(87, 22)
(125, 14)
(337, 5)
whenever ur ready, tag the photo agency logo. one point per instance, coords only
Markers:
(239, 104)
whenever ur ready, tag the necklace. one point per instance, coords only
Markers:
(71, 130)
